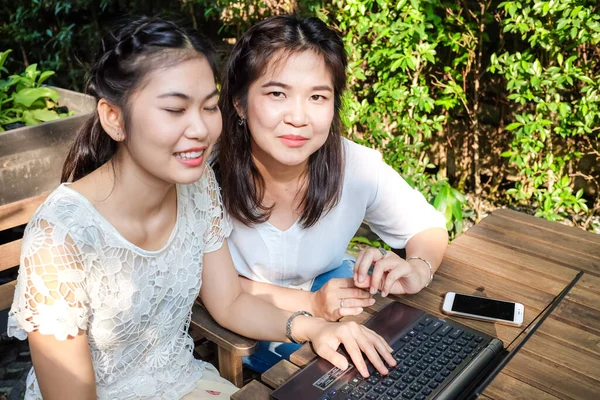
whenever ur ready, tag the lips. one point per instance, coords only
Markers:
(293, 137)
(190, 157)
(293, 140)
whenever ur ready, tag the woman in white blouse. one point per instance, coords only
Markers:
(298, 191)
(112, 263)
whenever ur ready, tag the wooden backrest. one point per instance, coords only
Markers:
(13, 215)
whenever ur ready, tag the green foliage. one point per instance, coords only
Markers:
(497, 100)
(23, 99)
(392, 104)
(553, 86)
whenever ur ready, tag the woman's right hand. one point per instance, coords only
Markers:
(327, 302)
(357, 339)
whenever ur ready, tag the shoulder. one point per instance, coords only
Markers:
(361, 164)
(203, 195)
(61, 225)
(66, 208)
(355, 152)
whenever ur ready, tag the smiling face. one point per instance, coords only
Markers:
(174, 122)
(290, 110)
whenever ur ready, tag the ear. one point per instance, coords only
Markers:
(111, 119)
(238, 108)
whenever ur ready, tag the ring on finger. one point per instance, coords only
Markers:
(342, 303)
(382, 251)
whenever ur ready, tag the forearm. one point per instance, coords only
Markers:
(281, 297)
(253, 317)
(430, 245)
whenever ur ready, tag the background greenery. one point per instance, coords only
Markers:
(477, 103)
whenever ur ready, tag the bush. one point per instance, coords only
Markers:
(23, 101)
(494, 100)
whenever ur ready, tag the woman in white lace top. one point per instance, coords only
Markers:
(112, 262)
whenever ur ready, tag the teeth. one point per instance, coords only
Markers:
(188, 155)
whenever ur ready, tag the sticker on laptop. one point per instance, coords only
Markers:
(331, 376)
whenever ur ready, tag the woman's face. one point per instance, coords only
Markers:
(174, 122)
(290, 109)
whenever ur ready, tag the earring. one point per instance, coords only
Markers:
(241, 121)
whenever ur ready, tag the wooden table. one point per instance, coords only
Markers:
(510, 255)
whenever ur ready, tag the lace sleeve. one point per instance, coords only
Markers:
(219, 223)
(50, 294)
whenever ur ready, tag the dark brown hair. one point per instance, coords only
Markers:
(241, 183)
(129, 53)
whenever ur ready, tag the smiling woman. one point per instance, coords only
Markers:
(113, 261)
(290, 109)
(309, 189)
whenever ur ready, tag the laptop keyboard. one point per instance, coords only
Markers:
(428, 356)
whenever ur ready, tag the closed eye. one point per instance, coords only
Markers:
(212, 109)
(176, 111)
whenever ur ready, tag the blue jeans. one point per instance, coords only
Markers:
(270, 353)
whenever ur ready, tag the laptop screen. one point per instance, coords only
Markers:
(525, 334)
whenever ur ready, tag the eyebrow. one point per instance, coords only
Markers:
(184, 96)
(283, 85)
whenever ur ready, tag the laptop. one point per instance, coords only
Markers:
(437, 358)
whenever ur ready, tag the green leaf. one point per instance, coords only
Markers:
(513, 126)
(44, 115)
(45, 75)
(28, 96)
(3, 57)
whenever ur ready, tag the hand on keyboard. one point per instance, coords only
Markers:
(357, 340)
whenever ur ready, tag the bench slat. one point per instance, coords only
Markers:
(252, 391)
(279, 373)
(19, 212)
(7, 292)
(9, 254)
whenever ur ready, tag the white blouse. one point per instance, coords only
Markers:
(134, 304)
(372, 191)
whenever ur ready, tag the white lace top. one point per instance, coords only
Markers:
(78, 272)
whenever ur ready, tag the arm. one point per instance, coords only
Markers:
(249, 315)
(50, 306)
(393, 274)
(324, 303)
(285, 298)
(431, 245)
(63, 367)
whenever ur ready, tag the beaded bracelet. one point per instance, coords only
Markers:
(428, 264)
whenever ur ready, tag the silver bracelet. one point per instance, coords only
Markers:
(428, 264)
(288, 326)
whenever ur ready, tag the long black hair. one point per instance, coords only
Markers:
(128, 54)
(241, 183)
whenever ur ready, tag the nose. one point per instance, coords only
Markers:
(296, 113)
(197, 127)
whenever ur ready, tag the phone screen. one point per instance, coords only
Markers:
(484, 307)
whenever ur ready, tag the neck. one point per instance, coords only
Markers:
(274, 172)
(138, 194)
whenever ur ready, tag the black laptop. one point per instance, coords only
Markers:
(437, 359)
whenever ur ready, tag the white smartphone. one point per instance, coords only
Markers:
(482, 308)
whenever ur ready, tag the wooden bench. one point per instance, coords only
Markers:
(231, 347)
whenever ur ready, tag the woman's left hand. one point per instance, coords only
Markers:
(391, 273)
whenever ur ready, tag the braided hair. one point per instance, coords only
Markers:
(129, 53)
